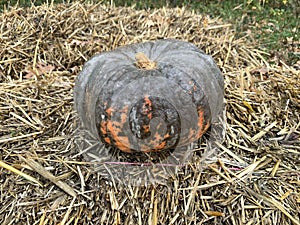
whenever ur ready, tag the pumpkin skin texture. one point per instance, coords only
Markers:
(150, 96)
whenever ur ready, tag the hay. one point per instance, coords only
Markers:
(43, 180)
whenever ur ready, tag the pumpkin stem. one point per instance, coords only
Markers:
(143, 62)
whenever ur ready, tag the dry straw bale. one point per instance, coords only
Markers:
(254, 179)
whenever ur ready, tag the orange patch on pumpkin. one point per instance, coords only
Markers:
(146, 128)
(202, 127)
(122, 143)
(124, 115)
(161, 146)
(107, 140)
(115, 128)
(147, 107)
(157, 144)
(109, 111)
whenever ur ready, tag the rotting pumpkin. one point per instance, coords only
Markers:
(149, 96)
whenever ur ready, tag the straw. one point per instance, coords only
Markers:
(252, 177)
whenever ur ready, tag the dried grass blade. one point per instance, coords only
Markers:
(20, 137)
(155, 218)
(25, 121)
(42, 220)
(43, 172)
(218, 26)
(18, 172)
(250, 168)
(68, 212)
(260, 134)
(205, 186)
(174, 219)
(221, 174)
(277, 204)
(230, 153)
(275, 168)
(192, 195)
(214, 213)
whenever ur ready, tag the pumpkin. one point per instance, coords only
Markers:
(149, 97)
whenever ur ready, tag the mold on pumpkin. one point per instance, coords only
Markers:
(149, 97)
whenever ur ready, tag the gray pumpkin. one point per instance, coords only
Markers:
(149, 96)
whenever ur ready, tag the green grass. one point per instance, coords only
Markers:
(274, 24)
